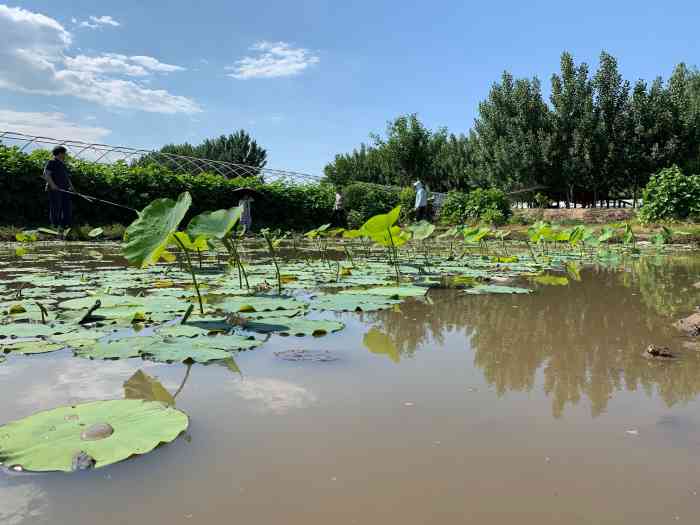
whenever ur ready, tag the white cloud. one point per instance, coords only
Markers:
(34, 59)
(113, 63)
(274, 59)
(49, 125)
(95, 22)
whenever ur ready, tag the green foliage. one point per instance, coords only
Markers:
(49, 441)
(238, 147)
(369, 200)
(671, 195)
(21, 185)
(599, 138)
(149, 235)
(453, 210)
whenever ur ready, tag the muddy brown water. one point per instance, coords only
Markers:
(491, 409)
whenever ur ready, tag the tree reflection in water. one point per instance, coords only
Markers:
(588, 338)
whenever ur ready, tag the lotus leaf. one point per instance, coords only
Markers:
(228, 342)
(179, 349)
(120, 349)
(51, 440)
(382, 222)
(421, 230)
(30, 347)
(216, 224)
(299, 327)
(94, 233)
(149, 235)
(32, 330)
(258, 304)
(352, 303)
(391, 291)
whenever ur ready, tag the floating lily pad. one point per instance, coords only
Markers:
(229, 342)
(121, 349)
(258, 304)
(391, 291)
(31, 347)
(183, 349)
(352, 302)
(292, 326)
(54, 440)
(32, 330)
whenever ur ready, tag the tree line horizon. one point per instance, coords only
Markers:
(599, 137)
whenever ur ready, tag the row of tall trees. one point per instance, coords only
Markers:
(237, 148)
(599, 137)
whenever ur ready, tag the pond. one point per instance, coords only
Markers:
(449, 407)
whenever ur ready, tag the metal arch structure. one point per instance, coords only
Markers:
(107, 154)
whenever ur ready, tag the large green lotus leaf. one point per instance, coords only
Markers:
(216, 224)
(81, 335)
(51, 440)
(228, 342)
(378, 342)
(182, 330)
(149, 235)
(257, 304)
(421, 230)
(30, 347)
(120, 349)
(380, 223)
(352, 303)
(210, 324)
(495, 289)
(180, 349)
(299, 327)
(106, 301)
(142, 386)
(32, 330)
(391, 291)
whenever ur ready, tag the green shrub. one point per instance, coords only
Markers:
(493, 216)
(369, 199)
(355, 220)
(407, 200)
(486, 205)
(671, 195)
(23, 201)
(454, 207)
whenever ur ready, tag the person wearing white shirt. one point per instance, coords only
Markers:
(421, 207)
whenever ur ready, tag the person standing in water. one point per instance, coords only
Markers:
(246, 216)
(421, 207)
(58, 181)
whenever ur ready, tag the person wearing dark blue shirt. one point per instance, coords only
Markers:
(58, 181)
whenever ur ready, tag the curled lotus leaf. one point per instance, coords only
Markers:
(54, 440)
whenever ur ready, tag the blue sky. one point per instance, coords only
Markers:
(308, 79)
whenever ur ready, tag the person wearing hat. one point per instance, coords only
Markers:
(421, 207)
(58, 181)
